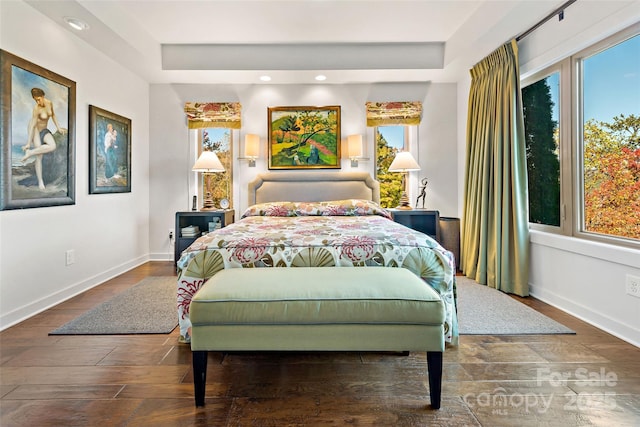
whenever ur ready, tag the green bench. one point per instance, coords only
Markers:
(317, 309)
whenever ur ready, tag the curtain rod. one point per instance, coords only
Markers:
(558, 11)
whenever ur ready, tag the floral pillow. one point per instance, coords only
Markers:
(348, 207)
(271, 209)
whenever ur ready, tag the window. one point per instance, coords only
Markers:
(582, 129)
(218, 184)
(540, 102)
(389, 141)
(610, 140)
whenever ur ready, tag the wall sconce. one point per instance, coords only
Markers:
(403, 163)
(354, 147)
(208, 162)
(251, 148)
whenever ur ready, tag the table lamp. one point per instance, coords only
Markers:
(208, 162)
(403, 163)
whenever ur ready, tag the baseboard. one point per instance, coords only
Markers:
(22, 313)
(161, 256)
(618, 329)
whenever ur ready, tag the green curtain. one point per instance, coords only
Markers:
(495, 229)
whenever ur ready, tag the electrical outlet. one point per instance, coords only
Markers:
(633, 285)
(171, 234)
(70, 257)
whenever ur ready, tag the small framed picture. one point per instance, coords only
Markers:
(109, 152)
(304, 137)
(37, 135)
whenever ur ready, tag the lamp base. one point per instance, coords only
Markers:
(207, 204)
(404, 202)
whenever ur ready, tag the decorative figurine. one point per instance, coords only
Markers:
(423, 193)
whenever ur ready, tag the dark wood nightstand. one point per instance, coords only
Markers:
(422, 220)
(201, 219)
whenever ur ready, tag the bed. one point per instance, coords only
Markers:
(304, 219)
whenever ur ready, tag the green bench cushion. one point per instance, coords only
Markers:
(316, 296)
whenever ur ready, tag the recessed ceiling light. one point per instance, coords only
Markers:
(76, 23)
(265, 78)
(321, 77)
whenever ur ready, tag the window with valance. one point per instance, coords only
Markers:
(391, 121)
(214, 122)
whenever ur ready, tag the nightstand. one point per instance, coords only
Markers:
(422, 220)
(200, 219)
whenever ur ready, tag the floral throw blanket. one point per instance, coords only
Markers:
(347, 233)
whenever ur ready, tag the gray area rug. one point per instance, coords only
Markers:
(148, 307)
(485, 311)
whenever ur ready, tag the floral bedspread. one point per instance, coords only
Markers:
(327, 237)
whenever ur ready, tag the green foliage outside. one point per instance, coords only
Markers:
(219, 183)
(543, 164)
(390, 182)
(612, 176)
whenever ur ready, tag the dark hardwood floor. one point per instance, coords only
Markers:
(590, 378)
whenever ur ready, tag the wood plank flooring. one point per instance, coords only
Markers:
(587, 379)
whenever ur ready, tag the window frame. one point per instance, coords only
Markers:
(571, 141)
(202, 186)
(405, 147)
(564, 151)
(578, 141)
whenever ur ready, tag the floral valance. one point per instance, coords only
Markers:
(213, 114)
(394, 113)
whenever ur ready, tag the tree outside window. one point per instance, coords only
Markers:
(389, 141)
(539, 102)
(610, 94)
(218, 184)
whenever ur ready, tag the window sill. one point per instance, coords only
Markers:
(603, 251)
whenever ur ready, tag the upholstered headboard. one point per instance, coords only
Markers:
(310, 186)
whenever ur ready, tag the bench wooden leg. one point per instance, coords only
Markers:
(434, 367)
(200, 375)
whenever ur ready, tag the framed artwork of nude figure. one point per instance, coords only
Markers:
(38, 136)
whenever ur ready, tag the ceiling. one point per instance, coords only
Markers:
(349, 41)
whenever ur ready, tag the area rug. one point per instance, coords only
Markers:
(485, 311)
(149, 307)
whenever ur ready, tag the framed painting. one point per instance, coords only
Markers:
(38, 135)
(109, 152)
(304, 137)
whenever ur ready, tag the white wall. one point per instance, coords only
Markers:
(109, 232)
(171, 159)
(586, 279)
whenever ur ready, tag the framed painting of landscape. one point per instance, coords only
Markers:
(38, 135)
(304, 137)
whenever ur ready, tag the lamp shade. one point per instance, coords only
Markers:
(208, 162)
(354, 144)
(404, 162)
(251, 145)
